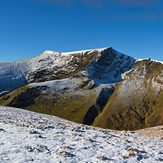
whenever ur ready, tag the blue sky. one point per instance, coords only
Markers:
(29, 27)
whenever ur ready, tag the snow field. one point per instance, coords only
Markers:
(32, 137)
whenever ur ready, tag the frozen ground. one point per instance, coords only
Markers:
(31, 137)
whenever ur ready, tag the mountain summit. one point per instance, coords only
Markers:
(99, 87)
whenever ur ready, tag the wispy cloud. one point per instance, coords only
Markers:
(66, 3)
(126, 14)
(93, 3)
(134, 2)
(128, 17)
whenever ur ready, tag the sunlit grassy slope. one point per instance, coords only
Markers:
(80, 104)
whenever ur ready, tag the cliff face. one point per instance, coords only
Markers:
(101, 87)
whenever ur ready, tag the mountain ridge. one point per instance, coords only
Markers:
(24, 69)
(100, 87)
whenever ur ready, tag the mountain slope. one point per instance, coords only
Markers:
(100, 87)
(33, 137)
(51, 65)
(136, 102)
(74, 85)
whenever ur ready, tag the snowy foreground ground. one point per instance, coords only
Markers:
(31, 137)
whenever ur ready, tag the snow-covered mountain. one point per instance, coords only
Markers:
(52, 65)
(101, 87)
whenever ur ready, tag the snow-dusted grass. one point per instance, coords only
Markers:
(32, 137)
